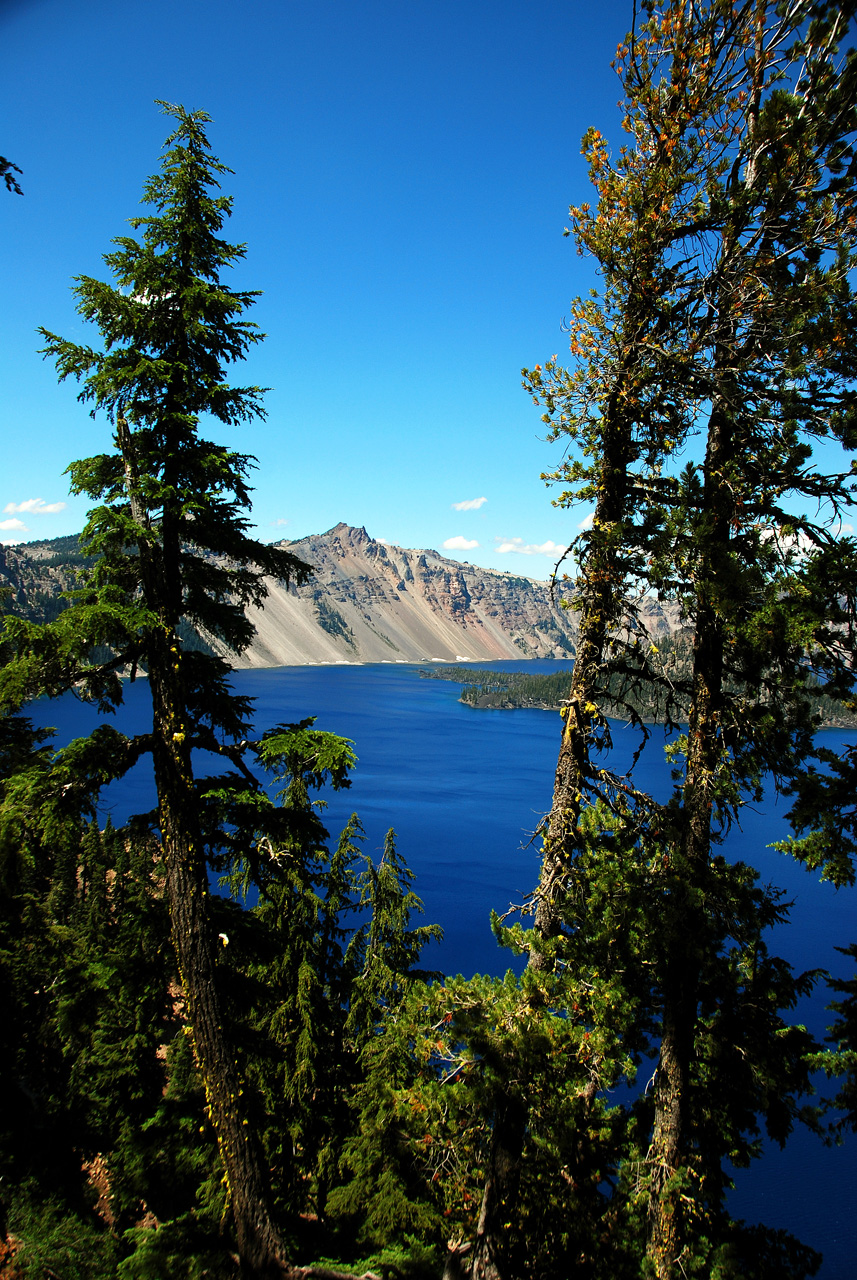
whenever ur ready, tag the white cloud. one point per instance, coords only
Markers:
(278, 524)
(471, 504)
(587, 521)
(552, 549)
(800, 543)
(460, 544)
(12, 524)
(33, 507)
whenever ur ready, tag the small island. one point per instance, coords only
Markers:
(624, 694)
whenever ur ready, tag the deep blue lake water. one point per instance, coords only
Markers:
(464, 791)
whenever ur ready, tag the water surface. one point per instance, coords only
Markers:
(465, 790)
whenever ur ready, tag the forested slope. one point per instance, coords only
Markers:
(624, 695)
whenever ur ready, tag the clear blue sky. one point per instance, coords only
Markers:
(402, 178)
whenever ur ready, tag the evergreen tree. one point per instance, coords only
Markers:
(109, 1141)
(7, 173)
(173, 547)
(725, 234)
(380, 1199)
(84, 975)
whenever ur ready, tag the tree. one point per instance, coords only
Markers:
(172, 543)
(171, 567)
(725, 233)
(7, 173)
(108, 1100)
(85, 968)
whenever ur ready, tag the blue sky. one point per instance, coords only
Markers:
(402, 178)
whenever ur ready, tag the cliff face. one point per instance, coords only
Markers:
(366, 602)
(369, 601)
(34, 576)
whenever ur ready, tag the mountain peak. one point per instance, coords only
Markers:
(370, 601)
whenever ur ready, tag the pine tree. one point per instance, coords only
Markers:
(725, 231)
(379, 1189)
(85, 971)
(7, 173)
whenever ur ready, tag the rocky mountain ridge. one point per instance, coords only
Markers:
(372, 601)
(368, 601)
(34, 575)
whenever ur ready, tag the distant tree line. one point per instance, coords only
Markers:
(622, 694)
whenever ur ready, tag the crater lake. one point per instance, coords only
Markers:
(465, 790)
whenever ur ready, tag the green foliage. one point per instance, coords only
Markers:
(386, 947)
(184, 1248)
(7, 173)
(323, 986)
(85, 970)
(840, 1062)
(412, 1261)
(634, 689)
(129, 1067)
(102, 1068)
(380, 1190)
(603, 1007)
(392, 1109)
(170, 519)
(54, 1241)
(330, 619)
(711, 362)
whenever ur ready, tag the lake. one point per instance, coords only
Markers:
(464, 791)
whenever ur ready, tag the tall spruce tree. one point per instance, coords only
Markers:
(725, 232)
(171, 536)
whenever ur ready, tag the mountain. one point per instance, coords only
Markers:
(370, 601)
(34, 575)
(367, 601)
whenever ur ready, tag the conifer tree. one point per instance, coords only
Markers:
(7, 173)
(171, 536)
(171, 553)
(85, 968)
(735, 272)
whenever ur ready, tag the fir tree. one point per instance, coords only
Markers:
(172, 543)
(85, 971)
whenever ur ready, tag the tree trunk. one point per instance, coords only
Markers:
(259, 1245)
(667, 1225)
(683, 925)
(599, 615)
(490, 1257)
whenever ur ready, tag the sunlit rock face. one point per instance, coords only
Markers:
(369, 601)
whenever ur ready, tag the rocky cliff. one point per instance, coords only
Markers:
(33, 577)
(369, 601)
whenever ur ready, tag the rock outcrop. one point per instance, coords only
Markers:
(371, 602)
(368, 601)
(34, 576)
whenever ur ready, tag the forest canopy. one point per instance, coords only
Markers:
(484, 688)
